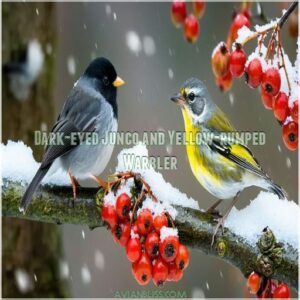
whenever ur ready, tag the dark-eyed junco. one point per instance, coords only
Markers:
(90, 107)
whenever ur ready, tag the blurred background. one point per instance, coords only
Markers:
(151, 55)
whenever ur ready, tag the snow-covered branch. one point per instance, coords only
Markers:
(52, 203)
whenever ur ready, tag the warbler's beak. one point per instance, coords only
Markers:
(118, 82)
(178, 99)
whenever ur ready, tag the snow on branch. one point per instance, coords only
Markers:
(52, 203)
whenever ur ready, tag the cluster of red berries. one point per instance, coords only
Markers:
(234, 65)
(190, 23)
(266, 287)
(221, 54)
(151, 246)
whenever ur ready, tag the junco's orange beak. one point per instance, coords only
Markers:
(118, 82)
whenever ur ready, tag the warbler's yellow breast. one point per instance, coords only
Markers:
(209, 170)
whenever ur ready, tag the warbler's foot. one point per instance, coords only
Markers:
(220, 224)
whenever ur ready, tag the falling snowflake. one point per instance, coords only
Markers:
(170, 73)
(85, 275)
(24, 282)
(71, 64)
(99, 260)
(149, 45)
(133, 42)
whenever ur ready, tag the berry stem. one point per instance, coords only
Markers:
(279, 24)
(286, 15)
(138, 200)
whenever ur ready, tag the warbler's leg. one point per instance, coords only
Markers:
(212, 209)
(75, 184)
(221, 220)
(102, 183)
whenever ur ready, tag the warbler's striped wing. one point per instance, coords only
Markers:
(232, 149)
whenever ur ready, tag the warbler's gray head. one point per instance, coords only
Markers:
(195, 100)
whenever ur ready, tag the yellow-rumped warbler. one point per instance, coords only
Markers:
(223, 167)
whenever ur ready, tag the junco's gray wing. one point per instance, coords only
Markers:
(79, 114)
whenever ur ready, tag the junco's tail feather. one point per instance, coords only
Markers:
(40, 174)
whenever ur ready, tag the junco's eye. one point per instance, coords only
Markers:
(105, 81)
(191, 97)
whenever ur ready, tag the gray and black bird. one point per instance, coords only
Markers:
(90, 107)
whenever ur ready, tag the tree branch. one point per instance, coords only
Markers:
(54, 205)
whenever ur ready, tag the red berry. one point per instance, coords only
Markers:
(183, 257)
(160, 272)
(168, 248)
(254, 73)
(224, 83)
(295, 111)
(273, 287)
(290, 135)
(199, 8)
(238, 22)
(144, 222)
(280, 106)
(175, 274)
(178, 12)
(237, 62)
(271, 81)
(142, 270)
(109, 215)
(121, 234)
(267, 99)
(159, 222)
(123, 205)
(247, 13)
(253, 282)
(133, 249)
(152, 244)
(282, 292)
(220, 60)
(191, 28)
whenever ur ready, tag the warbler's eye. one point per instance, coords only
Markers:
(105, 80)
(191, 97)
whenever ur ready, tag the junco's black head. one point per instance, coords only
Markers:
(103, 73)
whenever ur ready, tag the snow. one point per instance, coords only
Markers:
(24, 282)
(85, 275)
(133, 42)
(149, 45)
(281, 216)
(262, 28)
(35, 59)
(243, 34)
(166, 194)
(170, 73)
(71, 65)
(64, 270)
(217, 48)
(19, 165)
(167, 231)
(99, 260)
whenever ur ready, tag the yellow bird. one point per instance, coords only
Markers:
(222, 164)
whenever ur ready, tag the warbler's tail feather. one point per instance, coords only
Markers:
(40, 174)
(278, 190)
